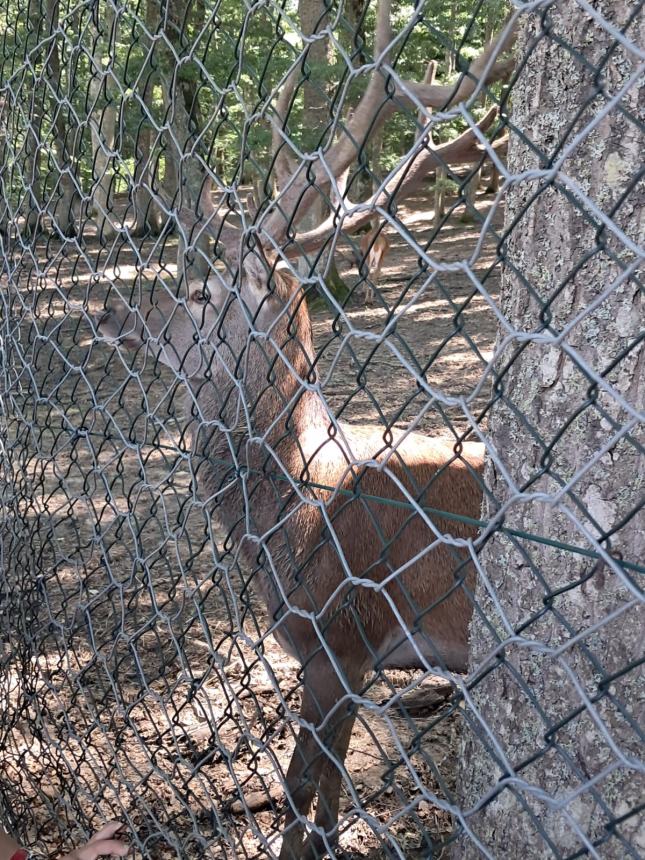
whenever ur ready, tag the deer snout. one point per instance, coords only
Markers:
(166, 327)
(119, 325)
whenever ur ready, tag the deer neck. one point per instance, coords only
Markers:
(251, 442)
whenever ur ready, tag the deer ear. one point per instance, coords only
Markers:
(267, 274)
(256, 274)
(287, 284)
(266, 257)
(284, 282)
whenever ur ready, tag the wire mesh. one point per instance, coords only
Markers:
(275, 278)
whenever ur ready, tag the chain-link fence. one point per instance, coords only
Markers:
(288, 289)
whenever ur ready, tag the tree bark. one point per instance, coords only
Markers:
(5, 187)
(32, 204)
(551, 420)
(32, 201)
(181, 101)
(182, 109)
(441, 177)
(441, 174)
(355, 15)
(313, 16)
(146, 214)
(469, 196)
(450, 53)
(492, 186)
(103, 118)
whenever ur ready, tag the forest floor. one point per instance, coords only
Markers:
(155, 697)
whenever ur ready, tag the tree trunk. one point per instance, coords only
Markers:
(32, 201)
(355, 16)
(182, 111)
(441, 177)
(313, 16)
(493, 180)
(376, 152)
(64, 197)
(469, 196)
(15, 177)
(103, 119)
(450, 53)
(147, 216)
(441, 174)
(170, 182)
(32, 204)
(181, 102)
(5, 187)
(524, 795)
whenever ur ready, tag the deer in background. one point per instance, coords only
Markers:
(374, 246)
(329, 516)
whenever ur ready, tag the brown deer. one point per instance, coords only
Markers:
(353, 575)
(374, 246)
(359, 537)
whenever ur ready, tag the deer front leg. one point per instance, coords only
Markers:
(329, 783)
(311, 771)
(368, 293)
(301, 785)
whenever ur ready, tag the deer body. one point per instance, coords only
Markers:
(348, 579)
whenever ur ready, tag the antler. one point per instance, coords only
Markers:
(464, 149)
(207, 219)
(283, 165)
(300, 186)
(300, 183)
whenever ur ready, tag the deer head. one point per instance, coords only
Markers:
(248, 323)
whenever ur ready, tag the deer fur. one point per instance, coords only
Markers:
(325, 561)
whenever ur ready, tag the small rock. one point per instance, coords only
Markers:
(424, 807)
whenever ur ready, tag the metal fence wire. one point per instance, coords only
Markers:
(321, 427)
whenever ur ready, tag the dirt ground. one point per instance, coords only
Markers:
(138, 681)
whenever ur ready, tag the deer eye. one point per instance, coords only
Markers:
(200, 297)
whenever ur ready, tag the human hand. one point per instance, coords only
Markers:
(102, 844)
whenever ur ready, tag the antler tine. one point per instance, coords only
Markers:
(465, 149)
